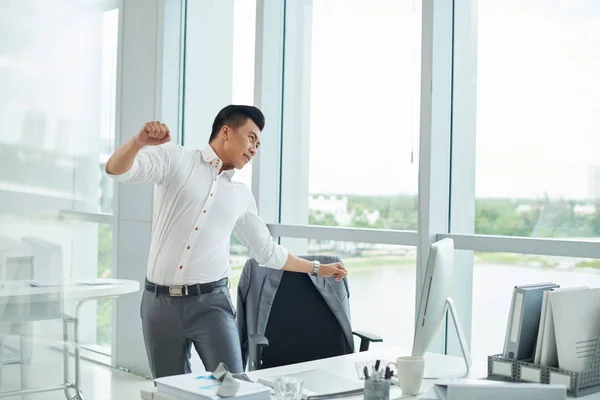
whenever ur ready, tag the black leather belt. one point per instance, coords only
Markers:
(189, 290)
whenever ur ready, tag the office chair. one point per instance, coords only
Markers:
(301, 325)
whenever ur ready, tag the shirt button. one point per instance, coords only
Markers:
(181, 267)
(196, 228)
(204, 211)
(211, 194)
(188, 247)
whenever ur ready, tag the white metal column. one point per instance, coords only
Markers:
(268, 89)
(434, 147)
(138, 101)
(208, 67)
(295, 149)
(462, 200)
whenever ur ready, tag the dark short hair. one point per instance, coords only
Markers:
(236, 116)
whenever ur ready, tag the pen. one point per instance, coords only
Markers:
(366, 371)
(387, 373)
(377, 365)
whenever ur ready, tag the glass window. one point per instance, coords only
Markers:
(56, 250)
(57, 107)
(219, 67)
(351, 112)
(58, 85)
(244, 34)
(537, 168)
(494, 277)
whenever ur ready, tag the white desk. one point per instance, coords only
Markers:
(21, 303)
(344, 366)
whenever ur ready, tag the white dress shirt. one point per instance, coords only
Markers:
(195, 211)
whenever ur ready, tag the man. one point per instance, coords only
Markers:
(196, 207)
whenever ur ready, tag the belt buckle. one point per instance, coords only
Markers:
(177, 291)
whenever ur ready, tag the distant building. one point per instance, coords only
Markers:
(524, 208)
(584, 209)
(330, 205)
(594, 183)
(337, 206)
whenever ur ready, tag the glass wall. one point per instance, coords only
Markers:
(537, 171)
(351, 113)
(523, 134)
(219, 66)
(364, 84)
(58, 80)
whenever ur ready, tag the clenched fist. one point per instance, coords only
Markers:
(153, 133)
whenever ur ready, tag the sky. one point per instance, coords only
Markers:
(538, 95)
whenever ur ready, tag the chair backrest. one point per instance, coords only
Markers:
(301, 326)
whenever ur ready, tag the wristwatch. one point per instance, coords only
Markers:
(316, 265)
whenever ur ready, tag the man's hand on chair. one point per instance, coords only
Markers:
(336, 270)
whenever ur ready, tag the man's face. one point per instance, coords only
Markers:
(243, 143)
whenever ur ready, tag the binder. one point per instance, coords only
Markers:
(524, 320)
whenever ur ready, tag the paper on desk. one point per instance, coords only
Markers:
(46, 283)
(576, 315)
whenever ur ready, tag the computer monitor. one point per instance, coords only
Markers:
(436, 300)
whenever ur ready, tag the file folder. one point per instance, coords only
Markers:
(524, 320)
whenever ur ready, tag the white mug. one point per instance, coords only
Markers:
(410, 372)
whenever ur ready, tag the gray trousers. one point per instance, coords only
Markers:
(172, 324)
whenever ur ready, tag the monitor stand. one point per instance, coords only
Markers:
(442, 371)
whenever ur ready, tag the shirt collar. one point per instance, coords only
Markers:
(210, 157)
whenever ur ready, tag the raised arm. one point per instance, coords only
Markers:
(142, 158)
(152, 134)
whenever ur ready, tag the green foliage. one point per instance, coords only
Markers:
(105, 250)
(105, 254)
(541, 217)
(395, 212)
(320, 218)
(589, 264)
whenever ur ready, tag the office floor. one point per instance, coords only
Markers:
(99, 382)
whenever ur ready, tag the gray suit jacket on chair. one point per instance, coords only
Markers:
(256, 291)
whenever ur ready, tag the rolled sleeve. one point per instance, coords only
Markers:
(252, 231)
(153, 164)
(132, 175)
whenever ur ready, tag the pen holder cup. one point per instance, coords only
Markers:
(377, 390)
